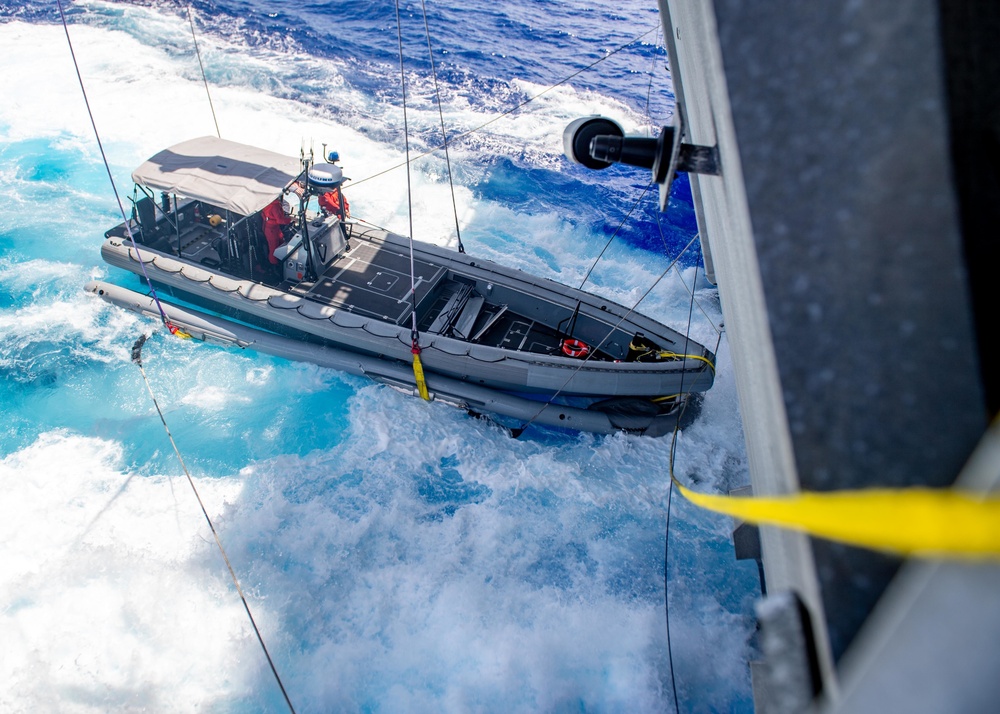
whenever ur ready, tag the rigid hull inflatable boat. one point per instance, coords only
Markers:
(337, 284)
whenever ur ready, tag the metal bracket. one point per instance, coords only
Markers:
(597, 142)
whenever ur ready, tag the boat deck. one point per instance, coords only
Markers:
(372, 278)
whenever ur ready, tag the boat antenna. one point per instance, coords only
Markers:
(418, 369)
(305, 164)
(204, 79)
(444, 134)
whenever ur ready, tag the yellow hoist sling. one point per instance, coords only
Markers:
(418, 373)
(914, 521)
(176, 331)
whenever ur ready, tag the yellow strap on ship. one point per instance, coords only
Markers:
(919, 522)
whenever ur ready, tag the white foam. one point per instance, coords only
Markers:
(113, 598)
(416, 559)
(515, 597)
(138, 113)
(214, 399)
(75, 323)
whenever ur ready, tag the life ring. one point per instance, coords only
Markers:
(575, 348)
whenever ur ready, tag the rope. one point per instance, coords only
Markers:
(649, 87)
(689, 290)
(606, 245)
(137, 358)
(418, 368)
(673, 449)
(202, 66)
(111, 178)
(137, 353)
(687, 340)
(510, 111)
(659, 224)
(444, 134)
(666, 590)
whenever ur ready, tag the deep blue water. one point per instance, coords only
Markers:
(399, 556)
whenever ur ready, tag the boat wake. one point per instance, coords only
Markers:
(399, 555)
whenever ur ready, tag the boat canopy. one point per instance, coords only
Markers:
(240, 178)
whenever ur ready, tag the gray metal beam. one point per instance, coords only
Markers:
(835, 237)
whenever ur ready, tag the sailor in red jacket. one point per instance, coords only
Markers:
(329, 202)
(275, 215)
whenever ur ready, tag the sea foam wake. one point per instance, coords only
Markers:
(398, 556)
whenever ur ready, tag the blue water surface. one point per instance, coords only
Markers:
(398, 556)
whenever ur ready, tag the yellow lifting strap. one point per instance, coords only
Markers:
(919, 522)
(177, 332)
(418, 374)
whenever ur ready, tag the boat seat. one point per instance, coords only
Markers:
(446, 317)
(467, 318)
(146, 214)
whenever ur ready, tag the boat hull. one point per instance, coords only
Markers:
(470, 397)
(492, 367)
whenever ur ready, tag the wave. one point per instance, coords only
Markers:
(398, 555)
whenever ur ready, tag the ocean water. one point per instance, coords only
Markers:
(398, 556)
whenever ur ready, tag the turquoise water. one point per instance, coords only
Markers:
(398, 556)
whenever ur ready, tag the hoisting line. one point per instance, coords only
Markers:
(418, 368)
(444, 134)
(107, 167)
(200, 64)
(649, 86)
(689, 290)
(659, 224)
(670, 484)
(666, 593)
(137, 354)
(620, 224)
(137, 358)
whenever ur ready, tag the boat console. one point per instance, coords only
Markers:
(327, 236)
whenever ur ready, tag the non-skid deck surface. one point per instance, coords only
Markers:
(370, 279)
(196, 243)
(518, 333)
(375, 281)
